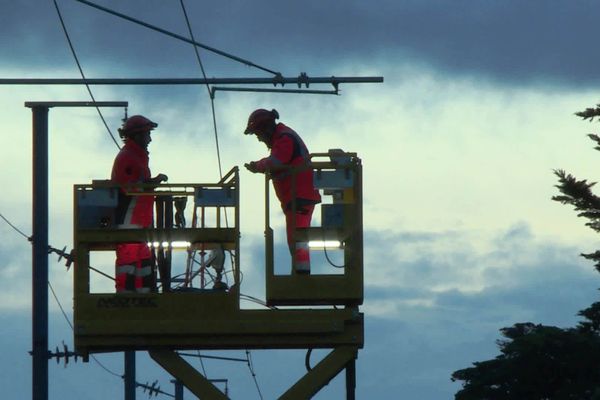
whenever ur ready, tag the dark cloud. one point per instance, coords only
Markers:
(510, 41)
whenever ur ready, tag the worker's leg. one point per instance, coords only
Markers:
(125, 267)
(145, 278)
(299, 250)
(134, 269)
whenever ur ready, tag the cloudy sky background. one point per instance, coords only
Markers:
(458, 147)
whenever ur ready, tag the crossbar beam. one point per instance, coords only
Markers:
(192, 81)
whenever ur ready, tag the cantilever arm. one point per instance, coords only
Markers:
(183, 371)
(321, 374)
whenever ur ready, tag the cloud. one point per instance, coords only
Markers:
(504, 278)
(458, 147)
(511, 43)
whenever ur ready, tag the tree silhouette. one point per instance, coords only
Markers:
(539, 362)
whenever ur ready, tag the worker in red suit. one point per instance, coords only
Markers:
(135, 269)
(287, 151)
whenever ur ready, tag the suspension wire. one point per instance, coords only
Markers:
(58, 301)
(214, 118)
(72, 328)
(176, 36)
(202, 363)
(60, 305)
(251, 368)
(14, 227)
(212, 102)
(64, 28)
(211, 98)
(211, 357)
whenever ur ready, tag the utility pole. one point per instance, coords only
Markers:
(39, 256)
(129, 375)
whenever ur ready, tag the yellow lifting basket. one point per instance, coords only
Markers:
(338, 176)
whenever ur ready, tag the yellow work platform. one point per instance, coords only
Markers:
(198, 308)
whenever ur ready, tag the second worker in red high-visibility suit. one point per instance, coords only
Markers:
(287, 150)
(134, 267)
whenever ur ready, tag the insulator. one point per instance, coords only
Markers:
(153, 389)
(65, 354)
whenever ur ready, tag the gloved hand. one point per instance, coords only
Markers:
(251, 166)
(158, 179)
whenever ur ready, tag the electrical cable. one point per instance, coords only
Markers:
(72, 328)
(202, 363)
(211, 357)
(331, 262)
(62, 22)
(251, 368)
(214, 118)
(157, 29)
(15, 228)
(307, 360)
(60, 305)
(256, 300)
(212, 102)
(57, 300)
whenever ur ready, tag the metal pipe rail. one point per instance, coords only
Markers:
(277, 80)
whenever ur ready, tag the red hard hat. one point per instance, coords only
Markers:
(259, 119)
(136, 124)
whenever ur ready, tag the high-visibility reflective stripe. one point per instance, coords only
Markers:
(129, 226)
(302, 246)
(143, 290)
(143, 271)
(302, 257)
(127, 220)
(125, 269)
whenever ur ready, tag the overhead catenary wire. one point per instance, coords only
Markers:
(212, 102)
(66, 32)
(214, 119)
(176, 36)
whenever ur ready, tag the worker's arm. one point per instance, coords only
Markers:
(281, 155)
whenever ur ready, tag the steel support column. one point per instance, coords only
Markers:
(39, 256)
(129, 376)
(351, 380)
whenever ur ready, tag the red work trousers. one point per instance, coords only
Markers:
(134, 269)
(299, 250)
